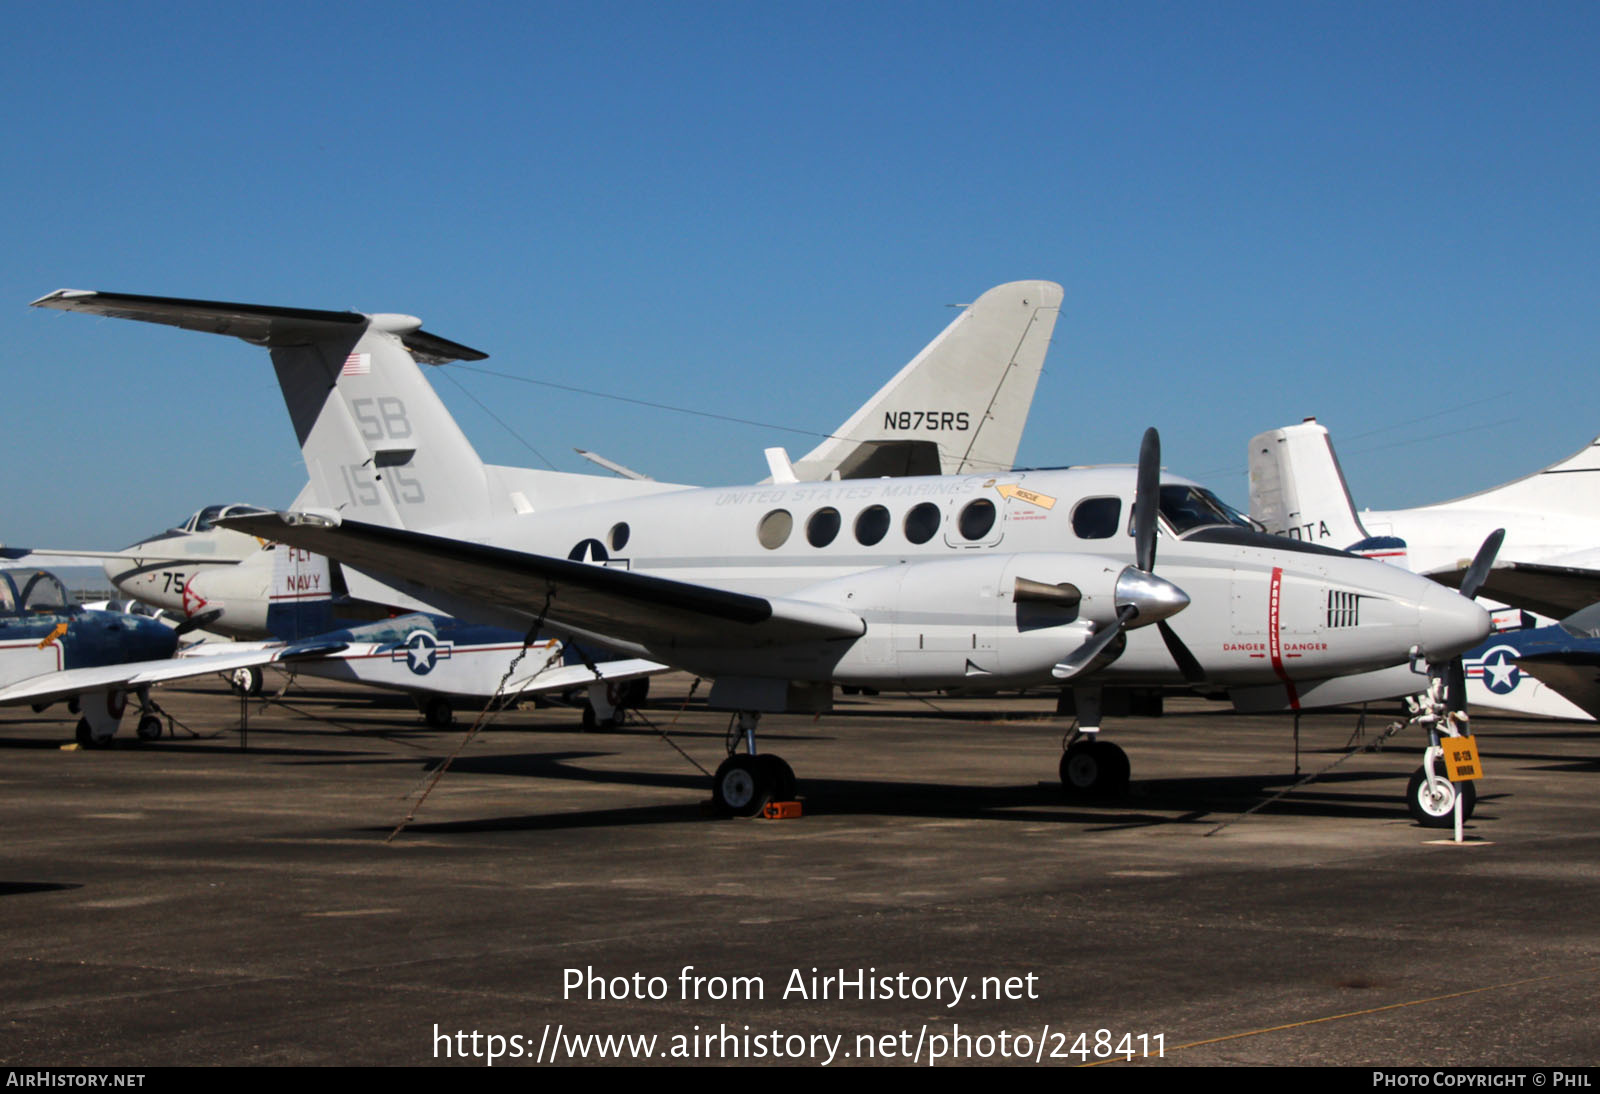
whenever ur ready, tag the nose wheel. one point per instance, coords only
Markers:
(1433, 802)
(1092, 768)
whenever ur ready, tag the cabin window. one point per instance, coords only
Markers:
(872, 525)
(774, 529)
(619, 535)
(922, 523)
(1097, 518)
(822, 527)
(977, 518)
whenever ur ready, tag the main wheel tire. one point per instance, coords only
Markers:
(438, 713)
(635, 692)
(247, 681)
(781, 776)
(592, 724)
(150, 727)
(742, 785)
(1094, 768)
(85, 735)
(1436, 807)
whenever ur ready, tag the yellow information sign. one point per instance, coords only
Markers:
(1011, 490)
(1461, 761)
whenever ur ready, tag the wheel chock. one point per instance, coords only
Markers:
(781, 811)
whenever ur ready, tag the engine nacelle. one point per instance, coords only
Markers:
(989, 620)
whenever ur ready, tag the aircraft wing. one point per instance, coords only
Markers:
(636, 608)
(575, 676)
(1544, 588)
(49, 686)
(28, 556)
(1573, 674)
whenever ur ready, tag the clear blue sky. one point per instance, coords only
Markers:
(1386, 215)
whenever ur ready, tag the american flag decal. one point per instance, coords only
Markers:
(357, 364)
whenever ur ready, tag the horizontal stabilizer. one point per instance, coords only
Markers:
(259, 324)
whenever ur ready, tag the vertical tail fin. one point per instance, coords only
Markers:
(378, 442)
(960, 405)
(1297, 488)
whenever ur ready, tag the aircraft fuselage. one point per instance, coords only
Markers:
(933, 565)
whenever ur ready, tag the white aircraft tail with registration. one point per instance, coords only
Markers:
(1297, 487)
(960, 405)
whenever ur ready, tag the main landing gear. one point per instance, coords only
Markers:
(248, 681)
(608, 702)
(1090, 767)
(438, 712)
(102, 715)
(745, 782)
(1093, 768)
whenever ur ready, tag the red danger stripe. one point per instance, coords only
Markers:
(1274, 646)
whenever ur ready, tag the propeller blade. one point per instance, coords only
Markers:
(198, 622)
(1478, 572)
(1081, 657)
(1146, 501)
(1187, 663)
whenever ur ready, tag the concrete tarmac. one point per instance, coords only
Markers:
(190, 901)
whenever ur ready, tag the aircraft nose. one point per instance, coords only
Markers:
(1451, 623)
(156, 640)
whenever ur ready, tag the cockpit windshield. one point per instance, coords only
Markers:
(202, 519)
(207, 517)
(32, 591)
(1186, 508)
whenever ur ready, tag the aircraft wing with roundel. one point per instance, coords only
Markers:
(634, 607)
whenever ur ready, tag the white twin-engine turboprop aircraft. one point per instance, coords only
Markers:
(779, 591)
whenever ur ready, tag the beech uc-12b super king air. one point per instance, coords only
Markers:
(779, 591)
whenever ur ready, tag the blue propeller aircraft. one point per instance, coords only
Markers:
(52, 649)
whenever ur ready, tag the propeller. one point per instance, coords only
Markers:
(1140, 594)
(1482, 562)
(198, 622)
(1477, 573)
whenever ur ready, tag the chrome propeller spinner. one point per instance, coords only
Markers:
(1141, 597)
